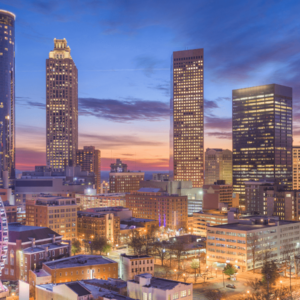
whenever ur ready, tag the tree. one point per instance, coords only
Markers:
(76, 247)
(252, 244)
(270, 272)
(195, 266)
(160, 251)
(229, 270)
(214, 295)
(106, 248)
(137, 244)
(177, 248)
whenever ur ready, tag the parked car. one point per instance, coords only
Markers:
(230, 286)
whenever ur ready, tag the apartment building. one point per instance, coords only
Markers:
(125, 182)
(85, 201)
(145, 286)
(29, 247)
(237, 243)
(81, 267)
(131, 265)
(214, 194)
(98, 224)
(169, 210)
(57, 213)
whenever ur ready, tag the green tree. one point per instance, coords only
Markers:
(98, 243)
(229, 270)
(270, 272)
(106, 248)
(195, 266)
(76, 247)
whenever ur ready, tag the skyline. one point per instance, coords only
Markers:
(131, 121)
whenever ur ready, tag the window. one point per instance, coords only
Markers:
(150, 296)
(132, 263)
(12, 257)
(145, 296)
(82, 272)
(60, 274)
(175, 296)
(11, 271)
(189, 292)
(183, 294)
(132, 270)
(34, 257)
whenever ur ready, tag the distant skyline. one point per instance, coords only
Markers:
(123, 49)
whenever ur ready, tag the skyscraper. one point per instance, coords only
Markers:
(218, 166)
(296, 167)
(62, 107)
(7, 97)
(89, 160)
(262, 135)
(186, 136)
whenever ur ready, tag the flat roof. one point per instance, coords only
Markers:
(79, 260)
(135, 256)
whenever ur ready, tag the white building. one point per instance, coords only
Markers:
(147, 287)
(131, 265)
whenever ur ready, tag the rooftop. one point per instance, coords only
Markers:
(17, 231)
(78, 261)
(161, 283)
(76, 287)
(135, 256)
(109, 283)
(132, 219)
(40, 273)
(149, 190)
(42, 247)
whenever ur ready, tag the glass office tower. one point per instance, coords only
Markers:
(7, 97)
(186, 136)
(262, 135)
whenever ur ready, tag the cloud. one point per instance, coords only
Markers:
(220, 135)
(215, 122)
(210, 104)
(163, 87)
(125, 110)
(117, 141)
(25, 101)
(27, 158)
(147, 63)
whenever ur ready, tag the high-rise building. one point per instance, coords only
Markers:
(7, 97)
(218, 166)
(296, 167)
(62, 107)
(186, 135)
(118, 166)
(89, 159)
(262, 135)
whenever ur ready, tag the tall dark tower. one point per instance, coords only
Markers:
(62, 107)
(262, 136)
(7, 97)
(187, 127)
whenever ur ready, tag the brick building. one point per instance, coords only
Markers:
(125, 182)
(169, 210)
(80, 267)
(92, 224)
(57, 213)
(29, 247)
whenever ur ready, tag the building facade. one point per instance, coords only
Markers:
(62, 107)
(89, 159)
(145, 286)
(244, 243)
(217, 194)
(81, 267)
(187, 129)
(296, 167)
(169, 210)
(131, 265)
(261, 135)
(125, 182)
(29, 247)
(93, 224)
(118, 166)
(57, 213)
(218, 165)
(85, 201)
(7, 97)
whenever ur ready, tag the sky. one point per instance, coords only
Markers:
(123, 48)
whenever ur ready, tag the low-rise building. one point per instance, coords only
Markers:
(145, 286)
(131, 265)
(79, 290)
(29, 247)
(81, 267)
(239, 242)
(171, 211)
(57, 213)
(98, 224)
(86, 201)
